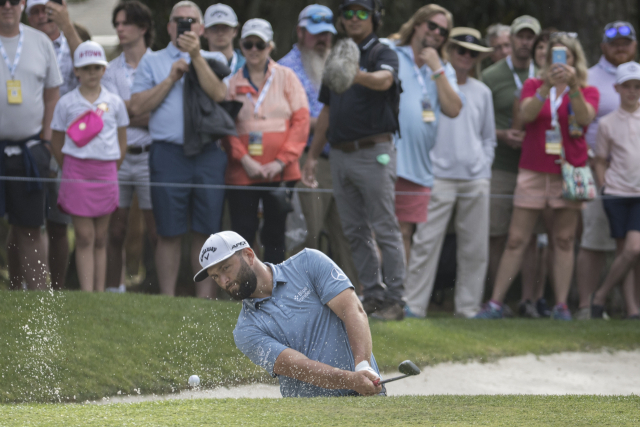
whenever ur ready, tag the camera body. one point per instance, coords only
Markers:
(184, 25)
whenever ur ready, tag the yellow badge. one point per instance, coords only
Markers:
(103, 106)
(14, 92)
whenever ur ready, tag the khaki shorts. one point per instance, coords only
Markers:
(596, 234)
(537, 190)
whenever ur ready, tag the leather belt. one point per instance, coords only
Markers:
(138, 149)
(368, 142)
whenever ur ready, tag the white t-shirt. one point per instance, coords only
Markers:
(105, 145)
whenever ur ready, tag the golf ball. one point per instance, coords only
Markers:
(194, 380)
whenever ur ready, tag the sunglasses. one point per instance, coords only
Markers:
(11, 2)
(623, 31)
(362, 15)
(433, 26)
(248, 45)
(462, 51)
(571, 35)
(318, 18)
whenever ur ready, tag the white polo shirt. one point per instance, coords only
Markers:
(105, 145)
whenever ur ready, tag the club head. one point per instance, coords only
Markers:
(408, 368)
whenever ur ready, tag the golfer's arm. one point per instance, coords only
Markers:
(348, 308)
(380, 80)
(294, 364)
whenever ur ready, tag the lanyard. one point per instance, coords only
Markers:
(16, 59)
(515, 76)
(416, 71)
(554, 104)
(263, 94)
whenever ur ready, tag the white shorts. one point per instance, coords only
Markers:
(135, 168)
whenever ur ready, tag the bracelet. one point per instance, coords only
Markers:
(573, 95)
(540, 97)
(437, 74)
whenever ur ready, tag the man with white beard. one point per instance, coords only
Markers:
(315, 31)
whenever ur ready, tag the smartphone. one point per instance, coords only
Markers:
(559, 55)
(184, 25)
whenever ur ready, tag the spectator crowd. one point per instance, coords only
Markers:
(509, 140)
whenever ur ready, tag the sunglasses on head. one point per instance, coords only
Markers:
(318, 18)
(462, 51)
(248, 45)
(559, 34)
(11, 2)
(362, 15)
(622, 30)
(433, 26)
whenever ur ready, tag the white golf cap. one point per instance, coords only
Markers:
(31, 3)
(217, 248)
(89, 53)
(627, 71)
(257, 27)
(220, 14)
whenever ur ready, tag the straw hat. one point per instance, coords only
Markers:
(471, 39)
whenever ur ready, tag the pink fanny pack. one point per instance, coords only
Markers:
(86, 127)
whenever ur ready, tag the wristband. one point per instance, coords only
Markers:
(437, 74)
(573, 95)
(540, 97)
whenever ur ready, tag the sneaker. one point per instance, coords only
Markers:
(507, 313)
(528, 310)
(410, 314)
(561, 312)
(371, 305)
(489, 311)
(119, 290)
(543, 308)
(583, 314)
(391, 312)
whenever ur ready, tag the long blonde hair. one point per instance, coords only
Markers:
(579, 61)
(421, 16)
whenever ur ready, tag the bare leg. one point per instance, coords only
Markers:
(496, 249)
(590, 265)
(206, 288)
(529, 270)
(545, 259)
(58, 253)
(85, 240)
(407, 229)
(564, 233)
(150, 226)
(32, 249)
(623, 263)
(101, 226)
(168, 263)
(117, 233)
(521, 228)
(629, 290)
(13, 261)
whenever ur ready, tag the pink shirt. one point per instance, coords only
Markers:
(534, 156)
(618, 140)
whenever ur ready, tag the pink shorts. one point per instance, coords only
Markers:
(537, 190)
(89, 199)
(411, 208)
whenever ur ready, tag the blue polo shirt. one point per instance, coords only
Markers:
(166, 122)
(296, 316)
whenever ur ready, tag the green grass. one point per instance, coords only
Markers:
(373, 411)
(73, 347)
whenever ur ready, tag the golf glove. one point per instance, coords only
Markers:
(364, 366)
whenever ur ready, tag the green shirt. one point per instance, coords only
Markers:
(503, 87)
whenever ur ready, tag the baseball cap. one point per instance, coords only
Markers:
(220, 14)
(627, 71)
(367, 4)
(317, 19)
(31, 3)
(525, 21)
(89, 53)
(618, 30)
(257, 27)
(217, 248)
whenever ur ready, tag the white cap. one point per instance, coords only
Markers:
(627, 71)
(89, 53)
(220, 14)
(31, 3)
(257, 27)
(216, 249)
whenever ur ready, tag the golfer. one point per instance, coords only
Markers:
(301, 320)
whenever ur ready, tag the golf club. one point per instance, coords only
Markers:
(408, 368)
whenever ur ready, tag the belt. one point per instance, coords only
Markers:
(138, 149)
(368, 142)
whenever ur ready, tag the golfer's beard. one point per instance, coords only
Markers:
(247, 281)
(313, 64)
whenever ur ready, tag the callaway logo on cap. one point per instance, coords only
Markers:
(218, 248)
(220, 14)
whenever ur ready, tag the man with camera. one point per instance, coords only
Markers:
(359, 125)
(158, 89)
(29, 89)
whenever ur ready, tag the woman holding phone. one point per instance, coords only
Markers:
(556, 110)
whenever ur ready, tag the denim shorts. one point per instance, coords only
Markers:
(177, 208)
(623, 214)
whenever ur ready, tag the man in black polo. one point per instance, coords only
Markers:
(359, 124)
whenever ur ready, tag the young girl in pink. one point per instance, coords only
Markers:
(89, 141)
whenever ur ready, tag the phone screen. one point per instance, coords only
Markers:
(559, 55)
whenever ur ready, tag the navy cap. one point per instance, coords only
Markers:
(367, 4)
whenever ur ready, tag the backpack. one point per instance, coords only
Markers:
(393, 94)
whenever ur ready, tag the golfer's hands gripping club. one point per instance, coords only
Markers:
(371, 377)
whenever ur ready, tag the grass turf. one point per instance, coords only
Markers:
(371, 411)
(73, 347)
